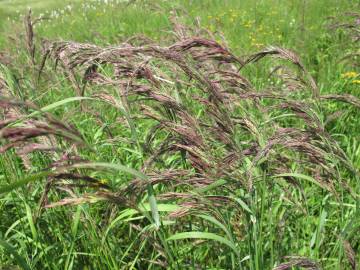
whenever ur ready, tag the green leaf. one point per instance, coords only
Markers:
(37, 176)
(57, 104)
(31, 222)
(216, 184)
(75, 224)
(111, 166)
(242, 204)
(216, 222)
(320, 228)
(20, 260)
(153, 206)
(300, 176)
(204, 235)
(125, 214)
(164, 207)
(31, 178)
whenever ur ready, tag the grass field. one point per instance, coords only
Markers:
(180, 134)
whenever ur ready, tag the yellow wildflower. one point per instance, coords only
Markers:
(349, 75)
(355, 81)
(103, 181)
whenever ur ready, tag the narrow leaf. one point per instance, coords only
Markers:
(20, 260)
(204, 235)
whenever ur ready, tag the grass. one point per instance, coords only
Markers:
(182, 147)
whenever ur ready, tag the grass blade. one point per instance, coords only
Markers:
(204, 235)
(153, 206)
(300, 176)
(31, 222)
(110, 166)
(10, 249)
(8, 188)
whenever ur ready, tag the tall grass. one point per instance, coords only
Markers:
(176, 153)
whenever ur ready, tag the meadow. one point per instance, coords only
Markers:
(183, 134)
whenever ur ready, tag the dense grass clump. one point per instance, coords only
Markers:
(172, 150)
